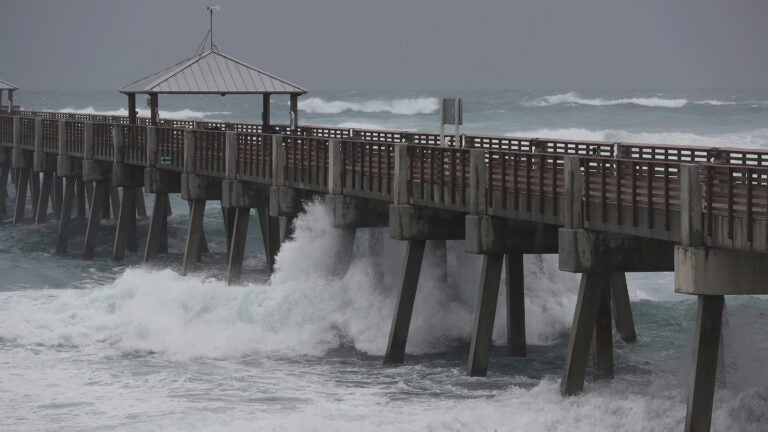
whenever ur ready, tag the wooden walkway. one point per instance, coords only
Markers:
(606, 208)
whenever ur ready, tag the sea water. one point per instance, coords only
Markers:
(97, 345)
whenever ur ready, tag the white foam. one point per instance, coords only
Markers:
(748, 139)
(402, 106)
(573, 98)
(304, 309)
(185, 114)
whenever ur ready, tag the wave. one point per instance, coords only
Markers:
(303, 310)
(185, 114)
(748, 139)
(573, 98)
(403, 106)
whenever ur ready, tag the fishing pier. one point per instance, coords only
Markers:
(605, 208)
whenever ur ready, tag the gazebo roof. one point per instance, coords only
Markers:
(7, 86)
(212, 73)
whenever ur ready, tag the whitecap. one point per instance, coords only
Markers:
(402, 106)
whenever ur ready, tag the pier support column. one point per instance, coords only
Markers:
(65, 216)
(516, 342)
(622, 308)
(192, 249)
(4, 174)
(22, 182)
(485, 314)
(100, 195)
(57, 193)
(45, 192)
(141, 206)
(503, 238)
(270, 234)
(81, 199)
(157, 238)
(125, 237)
(602, 345)
(34, 189)
(401, 322)
(582, 330)
(701, 389)
(237, 247)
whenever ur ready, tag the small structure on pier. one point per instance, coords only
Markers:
(10, 88)
(212, 73)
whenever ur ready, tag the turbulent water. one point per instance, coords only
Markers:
(92, 346)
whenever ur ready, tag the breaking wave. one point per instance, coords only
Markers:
(185, 114)
(403, 106)
(573, 98)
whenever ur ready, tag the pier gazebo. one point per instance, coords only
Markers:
(212, 72)
(10, 88)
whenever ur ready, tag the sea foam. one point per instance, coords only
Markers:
(185, 114)
(402, 106)
(303, 309)
(573, 98)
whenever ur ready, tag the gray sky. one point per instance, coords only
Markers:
(397, 44)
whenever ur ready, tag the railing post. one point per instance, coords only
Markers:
(62, 137)
(38, 134)
(117, 142)
(278, 161)
(189, 151)
(87, 140)
(231, 155)
(151, 146)
(335, 168)
(17, 133)
(402, 168)
(573, 194)
(691, 206)
(478, 182)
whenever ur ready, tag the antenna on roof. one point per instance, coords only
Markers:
(209, 34)
(210, 10)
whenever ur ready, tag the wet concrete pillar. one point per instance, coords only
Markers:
(125, 236)
(582, 331)
(401, 322)
(516, 341)
(22, 182)
(485, 314)
(193, 248)
(65, 216)
(4, 174)
(45, 192)
(237, 244)
(622, 308)
(100, 195)
(157, 238)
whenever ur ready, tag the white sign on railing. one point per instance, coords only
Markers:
(452, 113)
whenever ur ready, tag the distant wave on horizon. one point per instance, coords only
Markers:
(400, 106)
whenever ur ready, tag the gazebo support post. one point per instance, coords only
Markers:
(265, 113)
(294, 113)
(132, 108)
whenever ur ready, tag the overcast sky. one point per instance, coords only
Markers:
(397, 44)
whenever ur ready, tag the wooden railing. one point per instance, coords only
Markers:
(27, 140)
(103, 144)
(209, 156)
(626, 185)
(439, 176)
(170, 148)
(368, 168)
(135, 144)
(50, 139)
(735, 192)
(528, 182)
(6, 129)
(75, 138)
(254, 157)
(306, 162)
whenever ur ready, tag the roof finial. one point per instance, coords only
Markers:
(210, 32)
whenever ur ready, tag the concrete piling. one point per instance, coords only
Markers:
(401, 322)
(582, 330)
(602, 345)
(44, 197)
(193, 249)
(237, 244)
(22, 183)
(100, 195)
(4, 174)
(125, 236)
(516, 341)
(622, 308)
(65, 216)
(157, 237)
(485, 314)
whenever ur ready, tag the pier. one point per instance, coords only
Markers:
(604, 208)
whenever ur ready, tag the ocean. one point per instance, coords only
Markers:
(100, 346)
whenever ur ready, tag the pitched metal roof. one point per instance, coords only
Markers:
(212, 72)
(7, 86)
